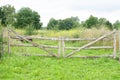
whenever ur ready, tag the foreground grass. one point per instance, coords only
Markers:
(13, 67)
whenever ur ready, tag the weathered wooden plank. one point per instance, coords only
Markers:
(59, 47)
(2, 46)
(29, 45)
(83, 39)
(8, 41)
(65, 39)
(119, 43)
(22, 45)
(89, 44)
(92, 47)
(39, 38)
(36, 55)
(63, 46)
(114, 44)
(99, 56)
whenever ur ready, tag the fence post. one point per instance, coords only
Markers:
(63, 47)
(2, 41)
(114, 44)
(59, 46)
(119, 44)
(8, 41)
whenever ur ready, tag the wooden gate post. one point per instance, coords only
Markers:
(63, 47)
(2, 41)
(8, 41)
(59, 46)
(119, 44)
(114, 45)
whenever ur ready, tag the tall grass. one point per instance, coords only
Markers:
(78, 32)
(74, 33)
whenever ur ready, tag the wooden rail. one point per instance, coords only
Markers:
(98, 56)
(56, 39)
(30, 45)
(92, 47)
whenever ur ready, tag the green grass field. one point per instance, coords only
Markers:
(14, 67)
(17, 67)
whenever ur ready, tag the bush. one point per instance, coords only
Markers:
(30, 30)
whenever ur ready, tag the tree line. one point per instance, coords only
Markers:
(74, 22)
(20, 19)
(27, 17)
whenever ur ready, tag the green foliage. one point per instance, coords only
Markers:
(106, 23)
(109, 25)
(2, 16)
(91, 21)
(36, 20)
(102, 21)
(116, 25)
(97, 23)
(25, 16)
(53, 24)
(30, 30)
(7, 14)
(65, 24)
(69, 23)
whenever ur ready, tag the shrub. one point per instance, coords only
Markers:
(30, 30)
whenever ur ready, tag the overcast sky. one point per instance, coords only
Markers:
(60, 9)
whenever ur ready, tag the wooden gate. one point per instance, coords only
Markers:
(61, 45)
(88, 45)
(34, 44)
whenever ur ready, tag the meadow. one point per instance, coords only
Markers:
(17, 67)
